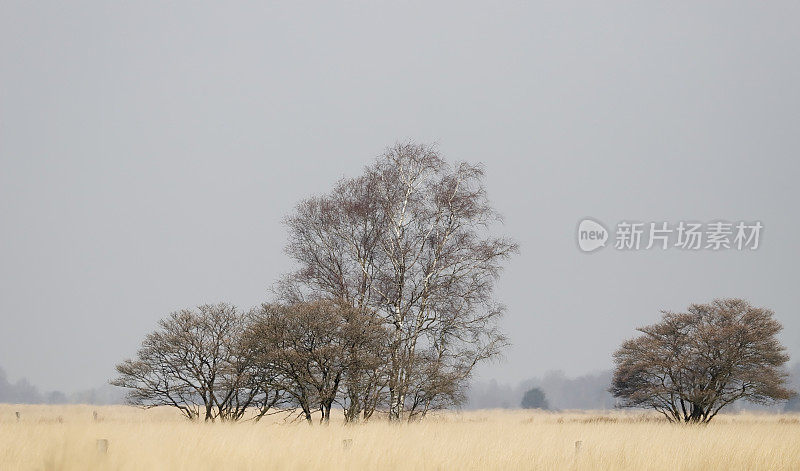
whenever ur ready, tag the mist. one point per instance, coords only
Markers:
(150, 151)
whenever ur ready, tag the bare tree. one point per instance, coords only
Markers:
(195, 362)
(409, 239)
(249, 387)
(691, 365)
(313, 348)
(433, 386)
(365, 341)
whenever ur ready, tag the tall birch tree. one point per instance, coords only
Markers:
(412, 238)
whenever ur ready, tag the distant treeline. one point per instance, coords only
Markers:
(23, 392)
(588, 392)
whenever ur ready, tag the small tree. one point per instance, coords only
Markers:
(195, 361)
(535, 398)
(313, 348)
(691, 365)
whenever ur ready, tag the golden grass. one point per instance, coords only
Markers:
(64, 438)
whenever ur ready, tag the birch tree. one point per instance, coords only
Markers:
(411, 239)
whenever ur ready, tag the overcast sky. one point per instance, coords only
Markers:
(148, 151)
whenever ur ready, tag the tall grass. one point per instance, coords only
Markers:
(64, 438)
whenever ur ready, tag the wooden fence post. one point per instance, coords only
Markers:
(102, 446)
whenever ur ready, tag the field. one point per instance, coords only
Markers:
(65, 438)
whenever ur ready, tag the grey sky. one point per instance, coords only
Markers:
(148, 151)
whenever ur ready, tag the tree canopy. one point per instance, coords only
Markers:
(690, 365)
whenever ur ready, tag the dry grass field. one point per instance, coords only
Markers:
(65, 438)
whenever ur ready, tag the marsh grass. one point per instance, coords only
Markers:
(159, 439)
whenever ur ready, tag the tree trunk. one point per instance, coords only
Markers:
(209, 412)
(697, 414)
(397, 395)
(307, 413)
(325, 408)
(353, 411)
